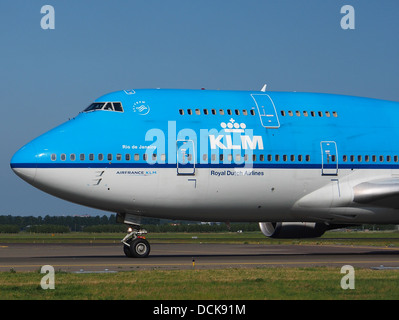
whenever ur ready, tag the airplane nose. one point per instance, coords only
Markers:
(24, 163)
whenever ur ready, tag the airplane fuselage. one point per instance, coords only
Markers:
(225, 156)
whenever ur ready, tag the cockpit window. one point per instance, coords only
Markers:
(109, 106)
(118, 106)
(95, 106)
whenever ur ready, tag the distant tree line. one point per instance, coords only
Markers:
(95, 224)
(64, 224)
(72, 223)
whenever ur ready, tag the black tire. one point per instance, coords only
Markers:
(126, 250)
(139, 248)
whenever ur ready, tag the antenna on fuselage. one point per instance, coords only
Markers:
(264, 88)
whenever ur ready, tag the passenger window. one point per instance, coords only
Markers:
(244, 112)
(189, 112)
(262, 157)
(344, 158)
(252, 111)
(320, 114)
(53, 157)
(72, 157)
(293, 157)
(109, 157)
(154, 157)
(197, 112)
(298, 113)
(221, 111)
(335, 114)
(91, 156)
(269, 157)
(229, 112)
(145, 157)
(305, 113)
(127, 156)
(237, 112)
(284, 157)
(327, 113)
(366, 158)
(277, 158)
(82, 157)
(307, 158)
(238, 157)
(300, 158)
(359, 158)
(181, 111)
(312, 113)
(283, 113)
(381, 158)
(163, 157)
(205, 111)
(100, 157)
(63, 157)
(136, 157)
(290, 113)
(388, 158)
(213, 112)
(229, 157)
(118, 157)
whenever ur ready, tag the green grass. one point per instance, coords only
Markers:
(230, 284)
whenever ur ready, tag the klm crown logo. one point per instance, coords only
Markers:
(233, 126)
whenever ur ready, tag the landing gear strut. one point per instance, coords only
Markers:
(134, 243)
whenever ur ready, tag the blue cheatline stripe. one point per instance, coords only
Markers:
(145, 165)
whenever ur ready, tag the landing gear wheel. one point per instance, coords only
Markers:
(126, 250)
(134, 243)
(139, 248)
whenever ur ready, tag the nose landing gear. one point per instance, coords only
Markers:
(134, 243)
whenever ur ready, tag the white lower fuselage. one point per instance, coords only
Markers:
(218, 194)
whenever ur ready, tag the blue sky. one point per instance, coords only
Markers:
(99, 46)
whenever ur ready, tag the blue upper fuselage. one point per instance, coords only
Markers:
(159, 128)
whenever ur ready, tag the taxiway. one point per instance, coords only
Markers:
(110, 257)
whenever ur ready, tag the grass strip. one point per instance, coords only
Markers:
(319, 283)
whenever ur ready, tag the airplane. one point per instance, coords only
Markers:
(297, 163)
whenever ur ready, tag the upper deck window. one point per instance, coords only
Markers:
(109, 106)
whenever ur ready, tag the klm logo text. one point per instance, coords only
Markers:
(247, 142)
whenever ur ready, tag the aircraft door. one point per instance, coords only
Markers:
(329, 158)
(267, 111)
(185, 157)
